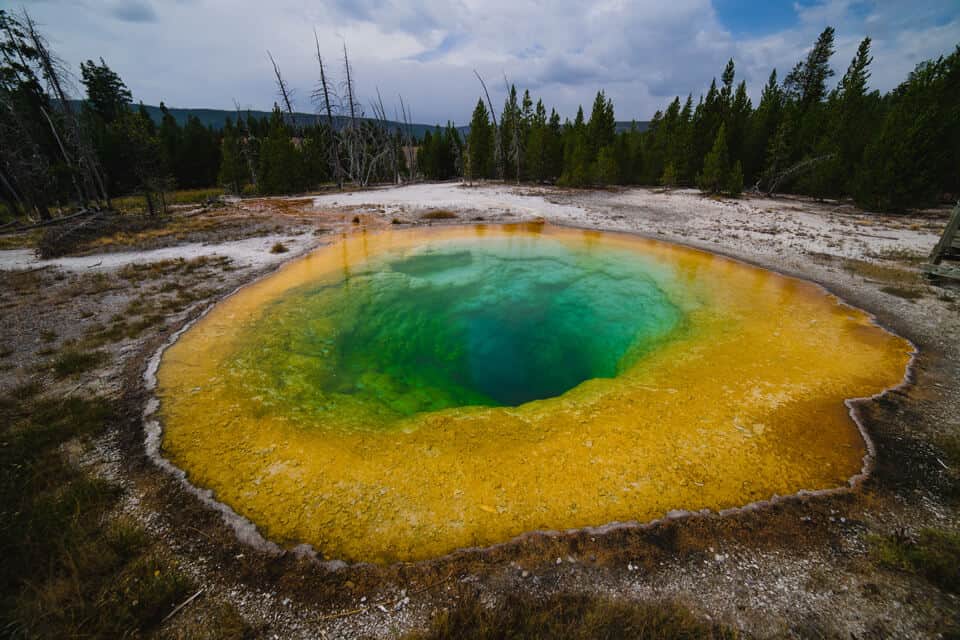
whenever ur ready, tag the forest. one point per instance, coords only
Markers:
(890, 152)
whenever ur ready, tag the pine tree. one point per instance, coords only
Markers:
(763, 126)
(806, 84)
(480, 143)
(668, 179)
(606, 171)
(535, 157)
(856, 115)
(280, 168)
(107, 95)
(734, 182)
(738, 122)
(716, 165)
(603, 125)
(233, 168)
(915, 156)
(554, 147)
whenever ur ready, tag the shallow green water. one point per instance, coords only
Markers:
(467, 322)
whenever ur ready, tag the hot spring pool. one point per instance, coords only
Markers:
(401, 394)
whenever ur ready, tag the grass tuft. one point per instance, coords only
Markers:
(71, 362)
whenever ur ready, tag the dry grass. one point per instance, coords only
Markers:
(439, 214)
(138, 204)
(911, 294)
(882, 273)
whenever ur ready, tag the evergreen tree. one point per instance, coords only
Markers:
(915, 156)
(764, 123)
(197, 159)
(280, 168)
(716, 165)
(116, 136)
(603, 125)
(577, 155)
(856, 116)
(107, 95)
(606, 171)
(233, 168)
(535, 158)
(480, 143)
(554, 147)
(734, 182)
(669, 177)
(806, 84)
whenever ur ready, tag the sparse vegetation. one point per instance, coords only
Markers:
(137, 204)
(933, 554)
(882, 273)
(71, 362)
(903, 292)
(569, 616)
(68, 570)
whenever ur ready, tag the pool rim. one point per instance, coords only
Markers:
(247, 531)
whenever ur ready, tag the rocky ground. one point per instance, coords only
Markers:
(864, 564)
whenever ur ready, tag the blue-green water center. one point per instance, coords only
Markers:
(465, 322)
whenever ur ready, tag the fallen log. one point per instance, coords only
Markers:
(47, 223)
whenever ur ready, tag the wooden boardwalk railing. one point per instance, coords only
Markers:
(948, 249)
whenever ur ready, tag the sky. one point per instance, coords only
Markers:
(213, 53)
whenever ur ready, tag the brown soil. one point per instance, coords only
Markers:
(800, 568)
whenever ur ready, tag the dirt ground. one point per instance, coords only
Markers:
(804, 567)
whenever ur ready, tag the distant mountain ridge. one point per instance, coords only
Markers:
(217, 117)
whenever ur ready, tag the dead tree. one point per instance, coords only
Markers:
(87, 165)
(323, 93)
(285, 94)
(350, 134)
(392, 156)
(248, 145)
(497, 147)
(365, 142)
(408, 129)
(516, 150)
(791, 172)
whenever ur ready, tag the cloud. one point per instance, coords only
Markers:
(134, 11)
(641, 52)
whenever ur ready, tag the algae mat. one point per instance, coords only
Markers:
(402, 394)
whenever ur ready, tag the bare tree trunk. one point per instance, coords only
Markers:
(245, 146)
(81, 196)
(354, 149)
(407, 118)
(325, 89)
(346, 66)
(151, 211)
(10, 196)
(497, 147)
(282, 86)
(794, 170)
(52, 74)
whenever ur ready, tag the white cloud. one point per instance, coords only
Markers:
(197, 53)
